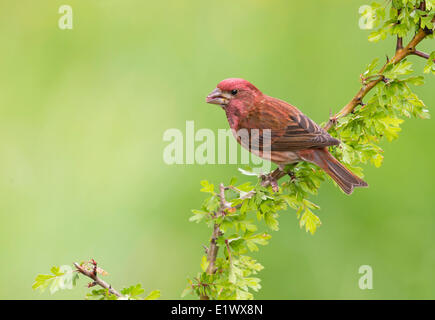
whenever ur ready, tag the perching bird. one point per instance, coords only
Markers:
(293, 136)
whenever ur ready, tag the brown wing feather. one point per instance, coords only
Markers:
(301, 133)
(291, 130)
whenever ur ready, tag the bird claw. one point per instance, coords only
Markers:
(268, 179)
(333, 120)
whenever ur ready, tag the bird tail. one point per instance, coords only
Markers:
(345, 179)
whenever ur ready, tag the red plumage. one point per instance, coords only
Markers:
(283, 129)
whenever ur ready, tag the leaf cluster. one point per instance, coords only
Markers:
(403, 17)
(66, 277)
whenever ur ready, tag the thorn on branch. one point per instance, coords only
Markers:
(94, 263)
(228, 250)
(422, 54)
(365, 81)
(399, 44)
(359, 102)
(333, 119)
(423, 6)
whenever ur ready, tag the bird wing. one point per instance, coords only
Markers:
(290, 129)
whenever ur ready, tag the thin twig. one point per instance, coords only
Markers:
(422, 54)
(96, 280)
(247, 195)
(228, 250)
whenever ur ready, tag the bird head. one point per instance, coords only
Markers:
(233, 92)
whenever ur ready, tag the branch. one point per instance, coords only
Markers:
(401, 54)
(96, 280)
(273, 177)
(399, 44)
(214, 248)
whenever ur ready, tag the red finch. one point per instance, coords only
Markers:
(293, 136)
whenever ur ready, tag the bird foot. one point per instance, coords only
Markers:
(269, 179)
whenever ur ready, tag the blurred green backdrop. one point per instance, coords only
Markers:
(82, 116)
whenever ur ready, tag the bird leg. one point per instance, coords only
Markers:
(269, 179)
(272, 178)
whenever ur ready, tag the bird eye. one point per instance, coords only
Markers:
(234, 92)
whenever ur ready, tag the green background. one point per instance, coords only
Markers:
(82, 115)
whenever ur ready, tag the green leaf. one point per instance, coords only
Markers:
(100, 294)
(271, 221)
(430, 66)
(377, 160)
(186, 292)
(233, 181)
(204, 263)
(153, 295)
(42, 281)
(375, 36)
(416, 81)
(133, 292)
(207, 187)
(62, 278)
(198, 215)
(310, 221)
(370, 70)
(404, 67)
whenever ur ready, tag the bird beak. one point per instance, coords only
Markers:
(218, 97)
